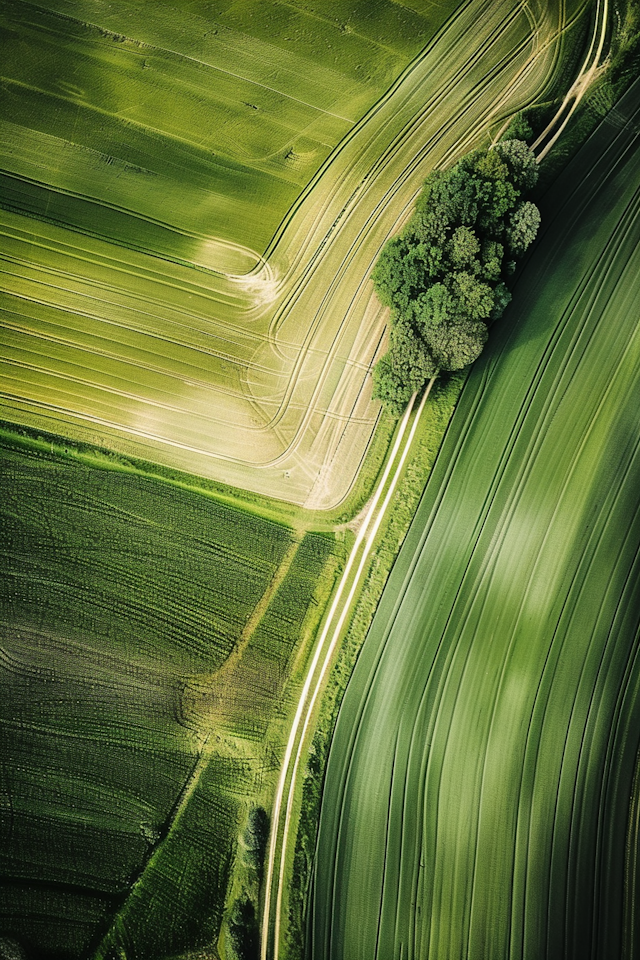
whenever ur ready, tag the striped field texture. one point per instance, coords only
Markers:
(141, 190)
(147, 635)
(173, 126)
(477, 798)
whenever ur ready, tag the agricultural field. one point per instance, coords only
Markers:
(149, 640)
(192, 199)
(199, 128)
(191, 208)
(481, 794)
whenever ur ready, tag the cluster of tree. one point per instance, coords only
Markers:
(444, 276)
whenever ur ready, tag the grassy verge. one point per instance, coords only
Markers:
(428, 438)
(245, 885)
(279, 511)
(502, 658)
(210, 864)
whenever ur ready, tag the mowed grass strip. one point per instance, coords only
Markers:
(477, 794)
(116, 590)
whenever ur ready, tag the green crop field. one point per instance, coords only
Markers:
(192, 205)
(478, 796)
(146, 639)
(209, 122)
(192, 199)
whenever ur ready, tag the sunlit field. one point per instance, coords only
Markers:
(477, 796)
(192, 209)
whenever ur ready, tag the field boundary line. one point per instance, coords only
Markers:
(307, 685)
(364, 542)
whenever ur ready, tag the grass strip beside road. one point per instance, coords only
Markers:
(589, 64)
(303, 701)
(430, 431)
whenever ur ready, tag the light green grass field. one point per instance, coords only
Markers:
(477, 797)
(210, 122)
(149, 641)
(149, 161)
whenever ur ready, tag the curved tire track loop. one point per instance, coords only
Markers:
(365, 541)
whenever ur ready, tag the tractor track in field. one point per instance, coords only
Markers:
(364, 541)
(290, 379)
(325, 647)
(510, 870)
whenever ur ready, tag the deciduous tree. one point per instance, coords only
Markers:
(444, 276)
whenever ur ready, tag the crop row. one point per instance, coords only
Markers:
(187, 122)
(117, 590)
(66, 922)
(177, 903)
(477, 795)
(298, 394)
(119, 593)
(115, 562)
(280, 628)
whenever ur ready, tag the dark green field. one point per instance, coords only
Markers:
(122, 601)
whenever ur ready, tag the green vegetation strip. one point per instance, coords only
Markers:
(429, 435)
(141, 698)
(477, 795)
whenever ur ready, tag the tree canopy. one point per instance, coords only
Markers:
(444, 276)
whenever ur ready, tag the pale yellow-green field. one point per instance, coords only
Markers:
(190, 338)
